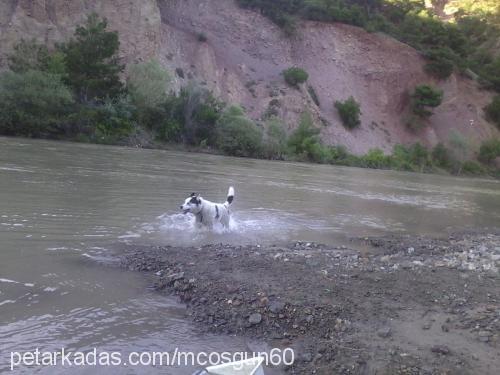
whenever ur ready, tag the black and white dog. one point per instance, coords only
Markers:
(208, 213)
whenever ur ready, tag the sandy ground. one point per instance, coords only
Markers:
(392, 305)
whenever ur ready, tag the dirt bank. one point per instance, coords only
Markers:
(393, 305)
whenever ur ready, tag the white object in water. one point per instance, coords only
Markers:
(251, 366)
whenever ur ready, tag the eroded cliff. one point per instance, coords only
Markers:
(243, 56)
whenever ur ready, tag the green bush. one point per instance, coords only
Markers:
(200, 113)
(147, 84)
(472, 167)
(349, 112)
(237, 135)
(441, 156)
(28, 55)
(493, 111)
(401, 159)
(425, 97)
(419, 156)
(109, 122)
(113, 120)
(304, 141)
(491, 74)
(295, 76)
(275, 140)
(489, 150)
(33, 104)
(375, 158)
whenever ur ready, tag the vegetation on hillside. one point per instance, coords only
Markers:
(75, 92)
(295, 76)
(349, 111)
(466, 42)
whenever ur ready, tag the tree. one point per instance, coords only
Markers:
(92, 61)
(147, 84)
(349, 112)
(33, 103)
(425, 97)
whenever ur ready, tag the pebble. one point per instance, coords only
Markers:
(255, 318)
(276, 307)
(384, 332)
(440, 349)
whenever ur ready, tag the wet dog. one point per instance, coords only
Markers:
(208, 213)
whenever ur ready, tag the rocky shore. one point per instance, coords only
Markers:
(391, 305)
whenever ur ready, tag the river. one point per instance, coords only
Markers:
(63, 206)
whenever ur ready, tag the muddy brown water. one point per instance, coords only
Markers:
(63, 206)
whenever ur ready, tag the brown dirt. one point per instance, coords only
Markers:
(396, 305)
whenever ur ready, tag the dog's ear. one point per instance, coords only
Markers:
(193, 195)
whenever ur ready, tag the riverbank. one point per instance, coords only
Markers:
(374, 159)
(402, 305)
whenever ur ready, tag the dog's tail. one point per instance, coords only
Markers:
(230, 196)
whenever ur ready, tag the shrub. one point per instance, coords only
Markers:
(113, 120)
(400, 158)
(338, 155)
(425, 97)
(92, 61)
(295, 76)
(472, 167)
(493, 111)
(441, 156)
(27, 55)
(375, 158)
(200, 113)
(419, 156)
(147, 84)
(109, 122)
(33, 104)
(489, 150)
(349, 112)
(275, 140)
(491, 73)
(459, 149)
(302, 142)
(237, 135)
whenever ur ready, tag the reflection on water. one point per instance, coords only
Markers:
(63, 206)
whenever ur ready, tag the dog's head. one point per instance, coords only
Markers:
(192, 204)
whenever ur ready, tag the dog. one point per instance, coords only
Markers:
(208, 213)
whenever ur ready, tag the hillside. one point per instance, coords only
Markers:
(243, 56)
